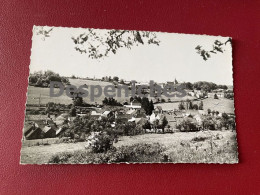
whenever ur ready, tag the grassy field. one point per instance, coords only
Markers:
(34, 93)
(221, 105)
(207, 146)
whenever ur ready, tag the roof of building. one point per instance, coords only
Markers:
(93, 113)
(131, 112)
(131, 120)
(28, 127)
(32, 132)
(106, 113)
(48, 128)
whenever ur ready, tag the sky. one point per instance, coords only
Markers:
(175, 57)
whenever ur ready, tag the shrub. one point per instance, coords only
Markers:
(188, 124)
(135, 153)
(61, 158)
(140, 153)
(199, 139)
(99, 142)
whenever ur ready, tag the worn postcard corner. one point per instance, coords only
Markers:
(100, 96)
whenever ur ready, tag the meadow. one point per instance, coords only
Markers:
(35, 92)
(221, 104)
(192, 147)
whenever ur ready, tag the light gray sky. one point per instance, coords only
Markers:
(176, 57)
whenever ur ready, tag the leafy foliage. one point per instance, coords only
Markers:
(43, 79)
(99, 44)
(44, 32)
(99, 142)
(217, 47)
(111, 102)
(134, 153)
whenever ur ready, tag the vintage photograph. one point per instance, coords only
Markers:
(100, 96)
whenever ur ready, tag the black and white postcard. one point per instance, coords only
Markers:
(122, 96)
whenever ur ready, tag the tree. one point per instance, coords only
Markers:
(208, 123)
(188, 124)
(78, 101)
(73, 111)
(39, 83)
(213, 112)
(99, 44)
(189, 86)
(146, 105)
(122, 81)
(201, 105)
(205, 86)
(164, 123)
(151, 107)
(190, 104)
(33, 79)
(217, 47)
(146, 125)
(115, 79)
(111, 102)
(105, 101)
(43, 31)
(181, 106)
(195, 107)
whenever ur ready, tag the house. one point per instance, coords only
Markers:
(28, 127)
(198, 93)
(191, 93)
(59, 131)
(32, 131)
(49, 131)
(158, 110)
(60, 120)
(134, 105)
(122, 116)
(131, 112)
(198, 119)
(95, 114)
(154, 117)
(170, 83)
(107, 114)
(132, 119)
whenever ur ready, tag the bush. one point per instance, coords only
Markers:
(135, 153)
(188, 124)
(99, 142)
(199, 139)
